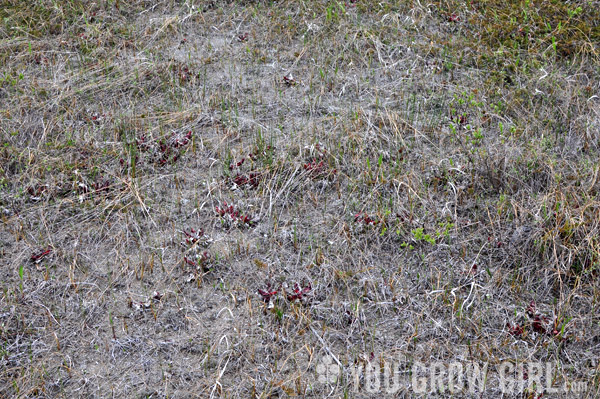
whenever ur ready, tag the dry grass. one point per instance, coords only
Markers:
(408, 177)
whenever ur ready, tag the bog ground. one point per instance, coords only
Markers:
(225, 199)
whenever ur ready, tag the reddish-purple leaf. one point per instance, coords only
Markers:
(266, 294)
(37, 258)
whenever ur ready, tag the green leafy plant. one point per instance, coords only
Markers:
(419, 235)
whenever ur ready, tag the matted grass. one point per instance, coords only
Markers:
(211, 198)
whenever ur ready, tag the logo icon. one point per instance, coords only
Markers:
(327, 370)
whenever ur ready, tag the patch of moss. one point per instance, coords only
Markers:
(535, 27)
